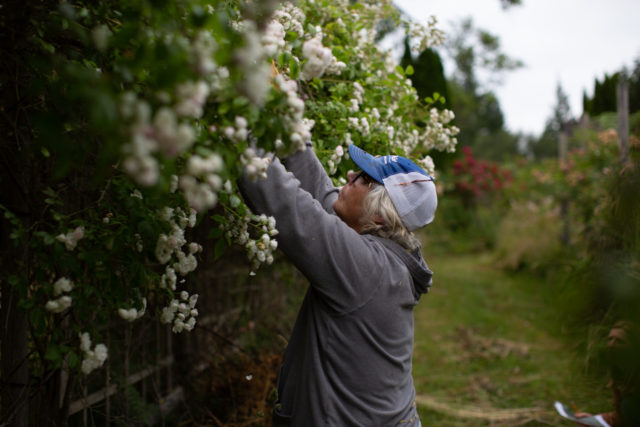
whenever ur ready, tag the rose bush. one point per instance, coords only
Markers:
(144, 114)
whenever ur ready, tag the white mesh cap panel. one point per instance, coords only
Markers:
(414, 197)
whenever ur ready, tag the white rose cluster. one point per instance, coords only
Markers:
(62, 285)
(100, 36)
(169, 245)
(172, 138)
(203, 48)
(424, 37)
(131, 314)
(358, 92)
(239, 132)
(391, 131)
(299, 128)
(273, 39)
(162, 132)
(335, 159)
(291, 18)
(201, 182)
(335, 67)
(182, 313)
(360, 124)
(252, 57)
(437, 135)
(71, 238)
(169, 279)
(60, 304)
(216, 77)
(261, 251)
(318, 58)
(254, 166)
(258, 251)
(191, 98)
(92, 359)
(186, 263)
(428, 165)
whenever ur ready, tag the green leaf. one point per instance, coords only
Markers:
(53, 354)
(219, 248)
(72, 359)
(224, 108)
(284, 58)
(294, 68)
(204, 151)
(46, 237)
(409, 70)
(49, 192)
(240, 101)
(216, 233)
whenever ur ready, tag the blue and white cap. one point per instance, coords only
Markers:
(411, 189)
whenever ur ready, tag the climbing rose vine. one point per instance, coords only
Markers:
(159, 110)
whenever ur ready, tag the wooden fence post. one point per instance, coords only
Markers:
(15, 189)
(563, 143)
(15, 367)
(622, 92)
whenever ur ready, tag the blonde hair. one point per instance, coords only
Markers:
(378, 203)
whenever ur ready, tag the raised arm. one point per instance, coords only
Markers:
(313, 178)
(325, 249)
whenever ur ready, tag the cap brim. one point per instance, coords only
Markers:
(366, 162)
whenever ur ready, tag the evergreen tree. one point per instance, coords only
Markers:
(509, 3)
(547, 144)
(604, 98)
(428, 74)
(478, 112)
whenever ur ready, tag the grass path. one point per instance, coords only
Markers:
(490, 350)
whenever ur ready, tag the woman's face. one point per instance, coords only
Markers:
(349, 205)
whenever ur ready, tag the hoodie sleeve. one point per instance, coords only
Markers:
(313, 178)
(339, 263)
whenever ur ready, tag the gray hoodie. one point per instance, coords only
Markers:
(348, 362)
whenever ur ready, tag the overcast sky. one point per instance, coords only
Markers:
(571, 42)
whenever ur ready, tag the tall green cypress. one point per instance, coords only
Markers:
(428, 75)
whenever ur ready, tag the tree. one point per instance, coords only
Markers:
(428, 74)
(547, 144)
(561, 111)
(604, 92)
(475, 50)
(480, 64)
(510, 3)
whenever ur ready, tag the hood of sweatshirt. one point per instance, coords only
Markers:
(420, 272)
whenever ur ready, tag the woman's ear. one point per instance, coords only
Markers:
(378, 219)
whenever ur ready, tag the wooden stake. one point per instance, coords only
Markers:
(622, 92)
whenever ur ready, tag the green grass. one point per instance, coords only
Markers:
(488, 341)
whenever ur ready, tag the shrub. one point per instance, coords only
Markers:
(129, 123)
(529, 236)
